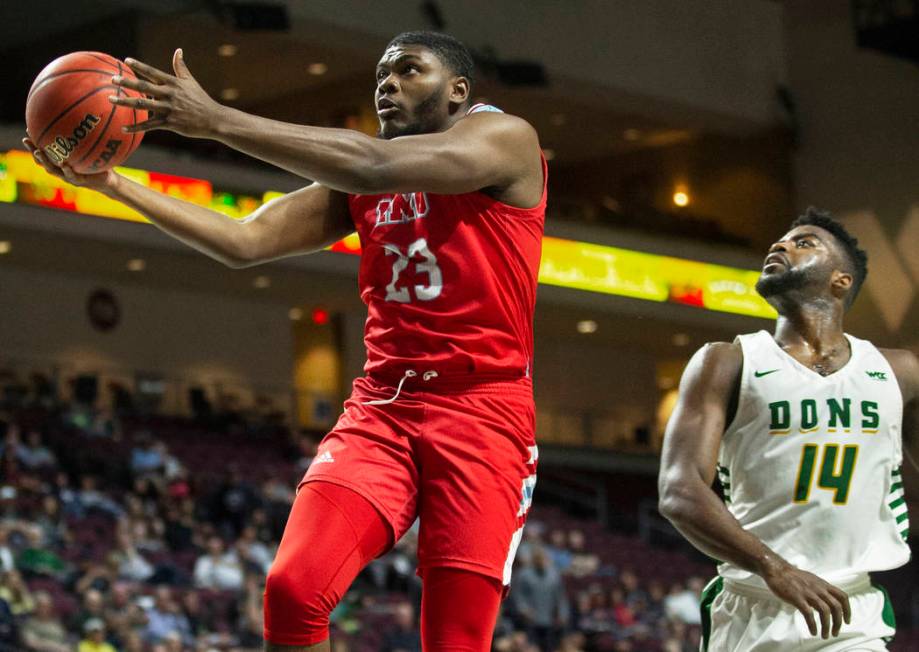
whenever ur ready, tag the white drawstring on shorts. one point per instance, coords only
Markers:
(409, 373)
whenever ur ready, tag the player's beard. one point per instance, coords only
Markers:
(774, 285)
(425, 118)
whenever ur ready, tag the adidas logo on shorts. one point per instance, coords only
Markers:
(324, 458)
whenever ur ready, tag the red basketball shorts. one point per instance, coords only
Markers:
(460, 457)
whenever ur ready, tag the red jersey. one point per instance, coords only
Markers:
(449, 282)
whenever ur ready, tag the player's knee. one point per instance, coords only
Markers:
(294, 604)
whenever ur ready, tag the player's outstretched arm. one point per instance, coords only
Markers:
(487, 150)
(708, 393)
(299, 222)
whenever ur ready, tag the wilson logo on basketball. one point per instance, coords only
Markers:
(61, 148)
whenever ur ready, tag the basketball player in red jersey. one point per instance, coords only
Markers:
(449, 204)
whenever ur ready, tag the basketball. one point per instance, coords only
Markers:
(69, 116)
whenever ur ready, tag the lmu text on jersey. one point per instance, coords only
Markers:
(400, 209)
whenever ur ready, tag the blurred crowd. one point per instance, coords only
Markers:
(127, 533)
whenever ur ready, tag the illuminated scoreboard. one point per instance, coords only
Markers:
(565, 263)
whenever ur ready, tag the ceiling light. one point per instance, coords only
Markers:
(666, 382)
(558, 119)
(229, 94)
(631, 134)
(227, 50)
(681, 198)
(262, 282)
(137, 265)
(296, 314)
(320, 316)
(587, 326)
(317, 68)
(680, 339)
(610, 204)
(5, 246)
(548, 153)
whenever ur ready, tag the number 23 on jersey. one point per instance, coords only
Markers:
(424, 261)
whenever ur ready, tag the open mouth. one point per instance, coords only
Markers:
(386, 108)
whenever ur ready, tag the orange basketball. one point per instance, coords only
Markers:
(69, 117)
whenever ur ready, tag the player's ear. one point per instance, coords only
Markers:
(459, 90)
(841, 282)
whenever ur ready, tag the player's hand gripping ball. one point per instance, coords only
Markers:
(69, 116)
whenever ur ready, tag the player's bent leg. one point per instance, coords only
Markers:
(331, 534)
(458, 610)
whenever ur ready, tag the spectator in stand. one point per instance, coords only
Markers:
(583, 563)
(277, 491)
(269, 525)
(631, 587)
(557, 549)
(251, 618)
(92, 607)
(515, 642)
(49, 520)
(179, 526)
(200, 620)
(103, 423)
(404, 635)
(165, 617)
(44, 391)
(654, 608)
(117, 611)
(218, 569)
(67, 497)
(34, 455)
(622, 613)
(7, 560)
(235, 500)
(42, 631)
(15, 593)
(172, 642)
(131, 564)
(308, 443)
(9, 630)
(582, 613)
(574, 642)
(93, 499)
(94, 637)
(683, 602)
(146, 457)
(171, 468)
(132, 642)
(253, 552)
(540, 601)
(12, 444)
(99, 576)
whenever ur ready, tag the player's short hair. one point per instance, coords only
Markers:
(856, 259)
(451, 52)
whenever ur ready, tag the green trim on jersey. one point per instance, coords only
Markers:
(896, 501)
(709, 593)
(724, 478)
(887, 614)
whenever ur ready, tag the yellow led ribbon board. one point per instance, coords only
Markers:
(565, 263)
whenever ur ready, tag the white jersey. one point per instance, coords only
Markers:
(811, 464)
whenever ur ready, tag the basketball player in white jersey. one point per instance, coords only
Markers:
(805, 429)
